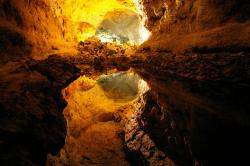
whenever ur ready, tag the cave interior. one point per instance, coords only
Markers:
(124, 82)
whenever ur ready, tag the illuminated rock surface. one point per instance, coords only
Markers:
(52, 26)
(95, 120)
(122, 26)
(196, 63)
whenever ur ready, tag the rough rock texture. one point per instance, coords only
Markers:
(52, 26)
(99, 57)
(31, 105)
(141, 149)
(13, 46)
(121, 26)
(197, 65)
(32, 22)
(212, 117)
(32, 124)
(94, 127)
(181, 26)
(194, 15)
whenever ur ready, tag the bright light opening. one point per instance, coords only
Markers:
(82, 18)
(123, 27)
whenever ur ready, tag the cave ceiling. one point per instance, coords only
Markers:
(84, 16)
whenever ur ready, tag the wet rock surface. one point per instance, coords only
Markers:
(186, 120)
(156, 136)
(196, 64)
(31, 121)
(141, 148)
(199, 97)
(204, 94)
(204, 125)
(94, 126)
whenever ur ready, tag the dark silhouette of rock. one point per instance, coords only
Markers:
(31, 121)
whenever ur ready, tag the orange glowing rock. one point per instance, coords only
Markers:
(84, 16)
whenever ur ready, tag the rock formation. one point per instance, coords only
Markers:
(197, 66)
(31, 121)
(196, 63)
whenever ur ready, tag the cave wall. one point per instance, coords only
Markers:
(31, 104)
(180, 26)
(31, 120)
(197, 65)
(38, 28)
(86, 16)
(31, 27)
(193, 15)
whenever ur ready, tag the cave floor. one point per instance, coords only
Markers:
(94, 126)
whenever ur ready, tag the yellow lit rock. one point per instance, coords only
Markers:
(86, 15)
